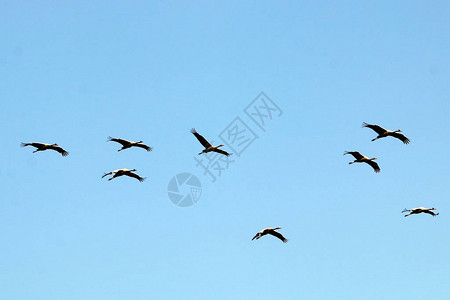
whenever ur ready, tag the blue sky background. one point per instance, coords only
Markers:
(74, 73)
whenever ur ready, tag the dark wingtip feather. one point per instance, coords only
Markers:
(376, 168)
(227, 154)
(193, 130)
(349, 152)
(23, 144)
(401, 137)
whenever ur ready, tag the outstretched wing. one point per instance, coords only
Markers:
(200, 138)
(106, 174)
(60, 150)
(355, 154)
(257, 236)
(112, 172)
(278, 235)
(221, 151)
(143, 146)
(37, 145)
(401, 137)
(374, 165)
(430, 212)
(376, 128)
(134, 175)
(120, 141)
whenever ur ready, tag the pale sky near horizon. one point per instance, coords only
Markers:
(74, 73)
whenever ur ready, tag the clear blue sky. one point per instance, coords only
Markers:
(74, 73)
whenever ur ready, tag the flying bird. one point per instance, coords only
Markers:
(271, 231)
(359, 158)
(43, 147)
(384, 133)
(128, 144)
(419, 210)
(122, 172)
(207, 145)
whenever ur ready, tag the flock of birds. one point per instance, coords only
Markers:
(208, 147)
(359, 158)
